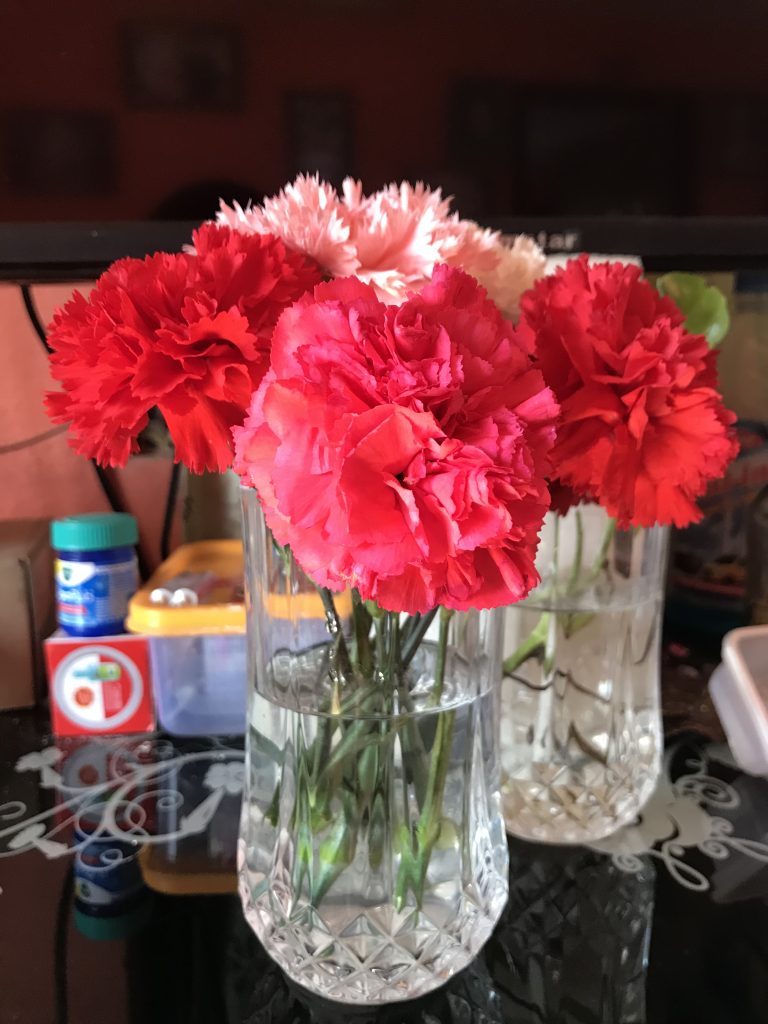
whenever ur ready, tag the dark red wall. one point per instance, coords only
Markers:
(400, 62)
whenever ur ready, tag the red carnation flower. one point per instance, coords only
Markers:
(643, 428)
(402, 450)
(188, 333)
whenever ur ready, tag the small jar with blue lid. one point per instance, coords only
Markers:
(96, 572)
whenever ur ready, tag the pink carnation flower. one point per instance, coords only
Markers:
(402, 449)
(392, 239)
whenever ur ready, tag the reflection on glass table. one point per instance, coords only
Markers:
(172, 805)
(133, 841)
(573, 941)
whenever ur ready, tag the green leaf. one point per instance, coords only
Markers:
(377, 831)
(367, 771)
(354, 739)
(408, 871)
(273, 811)
(373, 610)
(337, 850)
(703, 305)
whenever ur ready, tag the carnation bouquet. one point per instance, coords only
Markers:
(403, 395)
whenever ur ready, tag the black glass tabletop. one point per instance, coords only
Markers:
(118, 900)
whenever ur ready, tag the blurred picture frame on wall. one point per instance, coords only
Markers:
(182, 67)
(572, 150)
(482, 123)
(586, 152)
(60, 152)
(319, 131)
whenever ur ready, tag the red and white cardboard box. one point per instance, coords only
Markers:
(99, 685)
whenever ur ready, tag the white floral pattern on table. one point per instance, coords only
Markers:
(227, 776)
(683, 816)
(137, 779)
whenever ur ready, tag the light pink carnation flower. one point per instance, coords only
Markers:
(401, 233)
(504, 270)
(392, 239)
(308, 216)
(397, 233)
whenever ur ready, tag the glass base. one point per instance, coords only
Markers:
(332, 898)
(374, 954)
(555, 804)
(581, 730)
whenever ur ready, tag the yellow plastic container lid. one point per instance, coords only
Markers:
(220, 565)
(217, 612)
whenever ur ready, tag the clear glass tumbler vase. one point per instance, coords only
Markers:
(373, 859)
(581, 735)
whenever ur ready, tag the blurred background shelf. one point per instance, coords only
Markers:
(78, 251)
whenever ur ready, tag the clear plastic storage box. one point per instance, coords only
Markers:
(193, 612)
(739, 688)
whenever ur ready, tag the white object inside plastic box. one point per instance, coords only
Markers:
(739, 689)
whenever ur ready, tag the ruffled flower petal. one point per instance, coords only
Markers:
(403, 450)
(643, 428)
(187, 333)
(392, 239)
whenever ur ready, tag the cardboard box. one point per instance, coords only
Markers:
(27, 609)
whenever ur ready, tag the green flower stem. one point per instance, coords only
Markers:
(573, 580)
(286, 556)
(574, 621)
(393, 659)
(318, 756)
(411, 622)
(602, 556)
(336, 631)
(416, 849)
(273, 811)
(555, 564)
(416, 634)
(414, 761)
(381, 650)
(442, 653)
(356, 737)
(377, 809)
(359, 702)
(347, 762)
(535, 643)
(301, 822)
(414, 754)
(429, 820)
(362, 626)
